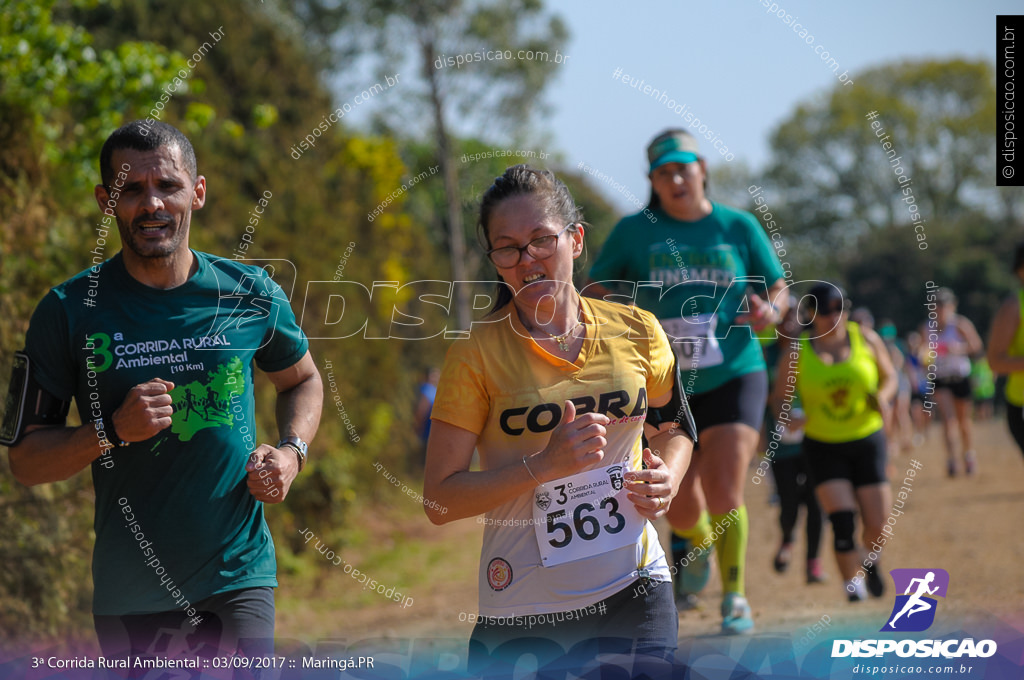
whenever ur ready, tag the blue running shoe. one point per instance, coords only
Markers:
(736, 615)
(694, 577)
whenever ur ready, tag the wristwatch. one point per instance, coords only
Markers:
(300, 447)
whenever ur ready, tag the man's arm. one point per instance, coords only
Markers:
(300, 396)
(50, 453)
(53, 454)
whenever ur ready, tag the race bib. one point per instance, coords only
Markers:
(696, 346)
(583, 515)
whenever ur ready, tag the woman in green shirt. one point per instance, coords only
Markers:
(709, 273)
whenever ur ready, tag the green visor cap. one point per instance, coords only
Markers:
(672, 147)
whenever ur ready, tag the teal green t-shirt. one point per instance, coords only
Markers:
(694, 276)
(175, 521)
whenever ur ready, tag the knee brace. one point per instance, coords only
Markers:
(842, 530)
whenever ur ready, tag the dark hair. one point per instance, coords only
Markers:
(522, 180)
(824, 293)
(143, 135)
(653, 203)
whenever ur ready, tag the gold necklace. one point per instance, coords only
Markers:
(563, 339)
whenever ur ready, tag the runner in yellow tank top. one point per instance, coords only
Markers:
(1006, 351)
(839, 398)
(846, 384)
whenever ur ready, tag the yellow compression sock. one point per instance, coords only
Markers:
(700, 533)
(732, 531)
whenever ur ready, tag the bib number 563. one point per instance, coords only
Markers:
(585, 524)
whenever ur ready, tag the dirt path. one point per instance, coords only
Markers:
(968, 526)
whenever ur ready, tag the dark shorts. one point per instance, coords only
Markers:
(1015, 420)
(741, 400)
(639, 624)
(961, 387)
(240, 620)
(862, 461)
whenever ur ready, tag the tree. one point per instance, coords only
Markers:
(840, 181)
(500, 85)
(891, 183)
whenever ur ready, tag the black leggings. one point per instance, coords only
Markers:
(795, 489)
(1015, 419)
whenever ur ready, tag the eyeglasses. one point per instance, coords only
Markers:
(539, 248)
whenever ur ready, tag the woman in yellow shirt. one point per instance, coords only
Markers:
(846, 384)
(554, 390)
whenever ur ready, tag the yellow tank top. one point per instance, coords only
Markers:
(835, 397)
(1015, 382)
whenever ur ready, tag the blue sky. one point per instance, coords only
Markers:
(737, 67)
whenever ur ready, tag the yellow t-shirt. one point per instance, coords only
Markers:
(500, 384)
(835, 397)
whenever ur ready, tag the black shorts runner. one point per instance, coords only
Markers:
(961, 387)
(740, 400)
(861, 461)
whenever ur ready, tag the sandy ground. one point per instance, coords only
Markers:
(969, 526)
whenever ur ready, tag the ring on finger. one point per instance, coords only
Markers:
(661, 502)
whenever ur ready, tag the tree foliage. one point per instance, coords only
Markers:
(72, 79)
(848, 204)
(60, 94)
(500, 86)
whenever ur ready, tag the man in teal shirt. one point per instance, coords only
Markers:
(156, 345)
